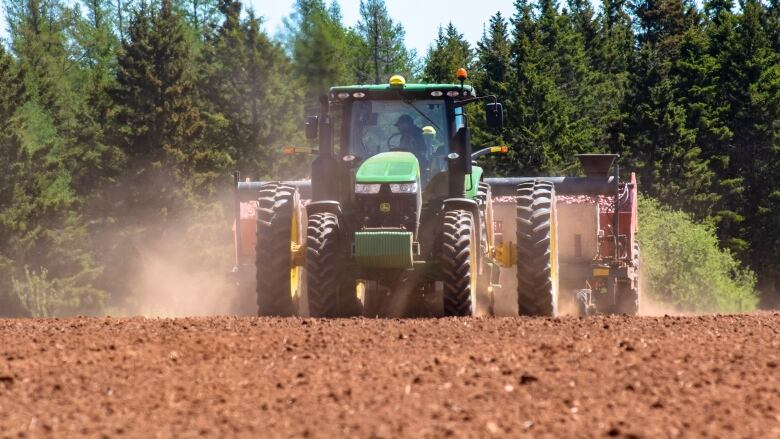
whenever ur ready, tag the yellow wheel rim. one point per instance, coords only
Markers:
(491, 239)
(295, 246)
(473, 269)
(360, 291)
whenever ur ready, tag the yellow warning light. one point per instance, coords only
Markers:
(288, 150)
(397, 81)
(462, 74)
(499, 149)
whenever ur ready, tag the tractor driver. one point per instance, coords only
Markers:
(412, 138)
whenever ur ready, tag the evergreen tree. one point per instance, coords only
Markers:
(610, 56)
(585, 23)
(320, 47)
(449, 52)
(382, 52)
(552, 107)
(198, 14)
(12, 160)
(121, 11)
(750, 71)
(531, 89)
(156, 124)
(660, 144)
(168, 172)
(614, 46)
(50, 247)
(492, 76)
(773, 24)
(97, 47)
(253, 107)
(494, 51)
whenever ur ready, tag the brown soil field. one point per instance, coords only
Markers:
(700, 376)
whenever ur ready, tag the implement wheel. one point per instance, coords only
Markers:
(459, 259)
(629, 293)
(537, 251)
(278, 238)
(331, 291)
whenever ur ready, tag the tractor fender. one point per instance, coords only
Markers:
(471, 206)
(472, 181)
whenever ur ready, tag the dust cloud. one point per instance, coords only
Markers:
(169, 284)
(180, 268)
(652, 307)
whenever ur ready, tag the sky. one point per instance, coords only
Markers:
(421, 18)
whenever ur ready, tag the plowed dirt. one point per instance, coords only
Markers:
(515, 377)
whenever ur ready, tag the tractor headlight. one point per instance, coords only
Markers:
(403, 188)
(371, 188)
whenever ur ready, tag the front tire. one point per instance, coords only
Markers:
(537, 253)
(459, 259)
(331, 292)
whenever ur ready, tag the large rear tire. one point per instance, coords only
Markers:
(459, 259)
(537, 252)
(331, 291)
(278, 228)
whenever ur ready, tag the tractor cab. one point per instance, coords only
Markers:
(398, 138)
(416, 119)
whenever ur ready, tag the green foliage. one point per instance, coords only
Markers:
(249, 105)
(44, 297)
(321, 48)
(449, 52)
(45, 157)
(550, 103)
(380, 52)
(683, 264)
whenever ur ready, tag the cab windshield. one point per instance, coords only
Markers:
(419, 127)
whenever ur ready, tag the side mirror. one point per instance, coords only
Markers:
(494, 115)
(312, 127)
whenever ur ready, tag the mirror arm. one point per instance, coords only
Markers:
(463, 102)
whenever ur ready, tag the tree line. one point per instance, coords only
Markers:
(120, 121)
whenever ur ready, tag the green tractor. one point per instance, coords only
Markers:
(396, 220)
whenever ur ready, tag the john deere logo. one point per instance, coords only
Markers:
(384, 207)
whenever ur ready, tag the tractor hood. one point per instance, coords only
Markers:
(389, 167)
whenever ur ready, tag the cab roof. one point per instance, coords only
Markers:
(406, 87)
(378, 90)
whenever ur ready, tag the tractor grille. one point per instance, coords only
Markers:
(387, 209)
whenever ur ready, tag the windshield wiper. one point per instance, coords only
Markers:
(409, 103)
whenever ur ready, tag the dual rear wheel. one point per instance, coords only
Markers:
(279, 252)
(537, 249)
(279, 279)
